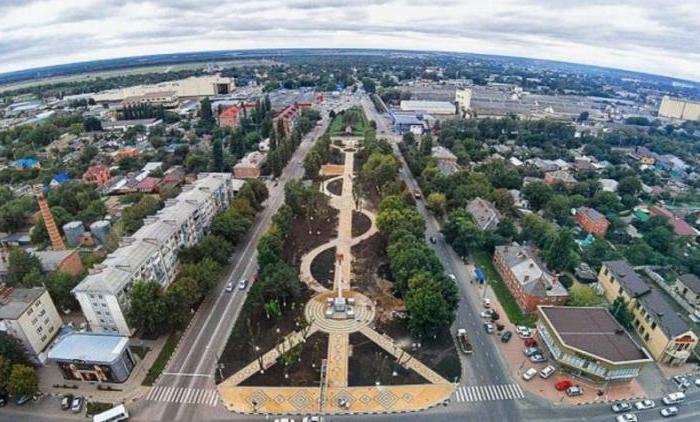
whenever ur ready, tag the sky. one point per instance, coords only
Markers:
(653, 36)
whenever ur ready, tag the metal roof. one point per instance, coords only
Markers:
(89, 347)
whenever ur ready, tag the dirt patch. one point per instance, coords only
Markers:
(254, 329)
(336, 187)
(439, 353)
(323, 267)
(303, 370)
(370, 270)
(360, 224)
(369, 363)
(308, 233)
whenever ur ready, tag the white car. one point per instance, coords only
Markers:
(621, 407)
(627, 417)
(547, 371)
(487, 313)
(242, 284)
(645, 404)
(229, 287)
(529, 374)
(523, 332)
(673, 398)
(669, 411)
(487, 302)
(452, 277)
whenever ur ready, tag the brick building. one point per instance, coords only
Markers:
(250, 166)
(231, 116)
(591, 221)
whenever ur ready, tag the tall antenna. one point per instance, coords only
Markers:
(56, 240)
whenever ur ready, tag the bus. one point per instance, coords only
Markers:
(117, 413)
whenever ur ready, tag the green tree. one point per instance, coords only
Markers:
(630, 185)
(502, 200)
(462, 233)
(217, 152)
(561, 254)
(205, 113)
(59, 285)
(583, 295)
(12, 349)
(380, 169)
(5, 371)
(436, 202)
(230, 225)
(205, 272)
(21, 264)
(619, 310)
(148, 308)
(428, 312)
(23, 381)
(538, 194)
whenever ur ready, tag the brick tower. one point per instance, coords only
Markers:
(56, 240)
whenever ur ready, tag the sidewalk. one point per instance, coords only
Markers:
(50, 375)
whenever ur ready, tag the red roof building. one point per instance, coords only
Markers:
(231, 116)
(289, 115)
(680, 226)
(98, 174)
(147, 185)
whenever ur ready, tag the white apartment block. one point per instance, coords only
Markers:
(151, 252)
(463, 97)
(30, 316)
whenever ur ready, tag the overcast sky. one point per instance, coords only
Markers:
(652, 36)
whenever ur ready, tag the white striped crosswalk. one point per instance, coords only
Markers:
(183, 395)
(477, 393)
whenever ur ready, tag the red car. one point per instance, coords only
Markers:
(563, 385)
(530, 342)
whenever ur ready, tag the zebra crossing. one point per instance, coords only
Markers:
(183, 395)
(478, 393)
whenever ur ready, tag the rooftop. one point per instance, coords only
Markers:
(591, 213)
(627, 277)
(13, 302)
(51, 260)
(691, 281)
(594, 331)
(529, 271)
(484, 214)
(89, 347)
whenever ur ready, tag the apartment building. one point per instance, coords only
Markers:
(30, 316)
(463, 98)
(289, 115)
(591, 221)
(527, 277)
(589, 342)
(250, 166)
(151, 252)
(688, 286)
(667, 337)
(231, 116)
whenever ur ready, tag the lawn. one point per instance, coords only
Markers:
(510, 306)
(357, 119)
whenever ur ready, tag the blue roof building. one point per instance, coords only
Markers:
(93, 357)
(26, 163)
(60, 179)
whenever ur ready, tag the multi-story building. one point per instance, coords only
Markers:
(676, 108)
(463, 98)
(250, 166)
(589, 342)
(30, 316)
(667, 337)
(430, 107)
(484, 214)
(167, 99)
(688, 286)
(231, 116)
(527, 277)
(151, 253)
(289, 115)
(591, 221)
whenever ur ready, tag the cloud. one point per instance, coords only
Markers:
(645, 35)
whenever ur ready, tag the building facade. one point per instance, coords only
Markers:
(676, 108)
(30, 316)
(250, 166)
(430, 107)
(463, 98)
(93, 357)
(591, 221)
(484, 214)
(196, 86)
(665, 335)
(527, 277)
(150, 254)
(688, 286)
(589, 342)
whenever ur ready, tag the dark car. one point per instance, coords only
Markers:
(3, 400)
(432, 239)
(505, 338)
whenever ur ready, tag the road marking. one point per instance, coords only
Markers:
(185, 374)
(479, 393)
(183, 395)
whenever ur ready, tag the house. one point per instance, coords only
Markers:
(559, 177)
(98, 174)
(250, 166)
(484, 214)
(445, 160)
(172, 178)
(688, 286)
(588, 342)
(542, 164)
(126, 152)
(644, 156)
(608, 185)
(123, 125)
(591, 221)
(231, 116)
(26, 163)
(59, 179)
(30, 316)
(680, 227)
(66, 261)
(152, 252)
(666, 336)
(147, 185)
(93, 357)
(527, 278)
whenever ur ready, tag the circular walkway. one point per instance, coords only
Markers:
(315, 312)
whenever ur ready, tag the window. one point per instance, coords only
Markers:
(100, 296)
(653, 325)
(51, 329)
(37, 303)
(34, 321)
(98, 312)
(646, 337)
(619, 291)
(42, 313)
(43, 338)
(39, 329)
(30, 312)
(46, 320)
(605, 271)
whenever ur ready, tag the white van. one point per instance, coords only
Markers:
(117, 413)
(674, 398)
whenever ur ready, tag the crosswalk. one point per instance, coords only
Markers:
(183, 395)
(478, 393)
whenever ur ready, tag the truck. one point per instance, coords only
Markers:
(463, 341)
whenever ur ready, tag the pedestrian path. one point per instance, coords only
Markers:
(183, 395)
(480, 393)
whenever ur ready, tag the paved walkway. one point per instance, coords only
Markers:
(337, 370)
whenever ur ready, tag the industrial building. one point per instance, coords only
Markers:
(676, 108)
(151, 253)
(196, 86)
(430, 107)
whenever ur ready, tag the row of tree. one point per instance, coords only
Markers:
(17, 377)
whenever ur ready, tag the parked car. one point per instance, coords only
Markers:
(22, 400)
(563, 385)
(669, 411)
(242, 284)
(645, 404)
(523, 332)
(433, 240)
(529, 374)
(697, 382)
(627, 417)
(538, 358)
(487, 313)
(623, 406)
(487, 302)
(312, 419)
(681, 381)
(452, 277)
(530, 342)
(229, 287)
(3, 400)
(488, 327)
(673, 398)
(547, 371)
(531, 351)
(574, 391)
(66, 402)
(505, 338)
(77, 405)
